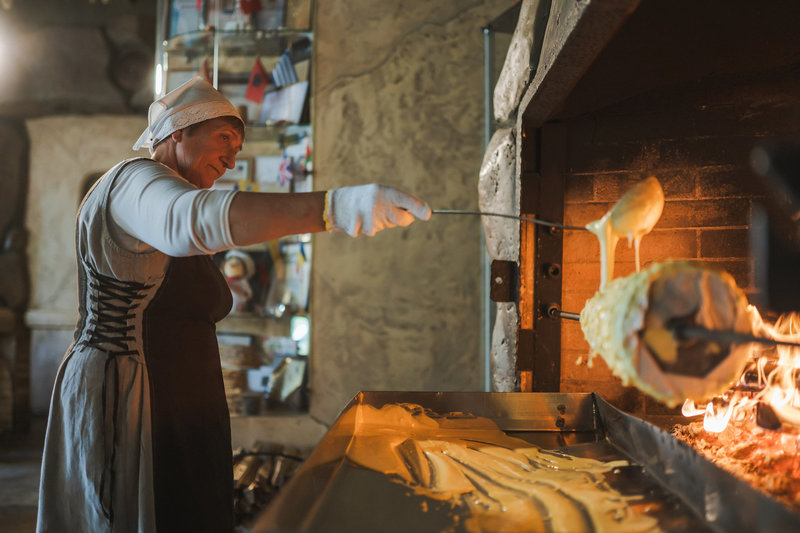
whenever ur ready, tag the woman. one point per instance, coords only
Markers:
(138, 436)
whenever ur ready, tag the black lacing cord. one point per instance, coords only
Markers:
(112, 304)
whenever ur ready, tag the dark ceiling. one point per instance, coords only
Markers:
(77, 12)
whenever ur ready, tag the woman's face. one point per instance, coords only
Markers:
(206, 151)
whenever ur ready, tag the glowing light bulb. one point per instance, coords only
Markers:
(158, 80)
(299, 328)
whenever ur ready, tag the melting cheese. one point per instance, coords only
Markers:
(633, 216)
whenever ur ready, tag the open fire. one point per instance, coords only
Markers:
(767, 391)
(753, 430)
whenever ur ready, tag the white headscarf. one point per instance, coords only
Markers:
(193, 102)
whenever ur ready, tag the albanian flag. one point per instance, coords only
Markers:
(257, 83)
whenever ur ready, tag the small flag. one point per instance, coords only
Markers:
(257, 83)
(284, 73)
(302, 258)
(307, 159)
(285, 170)
(304, 163)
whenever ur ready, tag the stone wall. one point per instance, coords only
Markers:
(399, 100)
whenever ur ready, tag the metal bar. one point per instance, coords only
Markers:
(733, 337)
(544, 193)
(505, 215)
(568, 315)
(487, 306)
(723, 501)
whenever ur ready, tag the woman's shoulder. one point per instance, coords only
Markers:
(144, 172)
(145, 166)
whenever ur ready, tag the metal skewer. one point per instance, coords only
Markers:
(697, 332)
(568, 315)
(504, 215)
(733, 337)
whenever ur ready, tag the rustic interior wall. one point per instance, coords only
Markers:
(399, 100)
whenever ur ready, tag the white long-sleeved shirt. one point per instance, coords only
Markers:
(151, 206)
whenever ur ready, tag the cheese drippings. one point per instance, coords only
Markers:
(505, 483)
(633, 216)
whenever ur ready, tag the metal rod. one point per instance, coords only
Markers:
(695, 332)
(486, 305)
(504, 215)
(569, 316)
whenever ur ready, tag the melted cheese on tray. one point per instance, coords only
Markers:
(505, 483)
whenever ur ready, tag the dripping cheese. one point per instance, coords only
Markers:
(633, 216)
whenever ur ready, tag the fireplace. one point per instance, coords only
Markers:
(593, 97)
(623, 90)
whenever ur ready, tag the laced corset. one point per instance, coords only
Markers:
(112, 317)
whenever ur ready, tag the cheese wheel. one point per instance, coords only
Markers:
(631, 324)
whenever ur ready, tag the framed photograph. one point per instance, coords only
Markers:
(241, 172)
(239, 177)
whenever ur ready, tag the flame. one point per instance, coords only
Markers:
(772, 377)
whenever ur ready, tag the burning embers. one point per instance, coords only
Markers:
(683, 333)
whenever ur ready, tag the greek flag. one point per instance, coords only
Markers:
(284, 73)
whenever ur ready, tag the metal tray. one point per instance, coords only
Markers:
(680, 488)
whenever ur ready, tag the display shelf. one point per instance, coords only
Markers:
(247, 62)
(235, 41)
(250, 324)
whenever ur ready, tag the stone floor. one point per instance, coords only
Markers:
(20, 460)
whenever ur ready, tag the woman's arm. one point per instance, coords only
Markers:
(359, 210)
(258, 217)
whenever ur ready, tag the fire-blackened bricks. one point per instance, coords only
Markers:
(723, 243)
(718, 212)
(626, 398)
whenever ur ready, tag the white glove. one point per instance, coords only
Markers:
(367, 209)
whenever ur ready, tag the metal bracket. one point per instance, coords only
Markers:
(503, 284)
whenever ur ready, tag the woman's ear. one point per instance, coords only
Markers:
(176, 135)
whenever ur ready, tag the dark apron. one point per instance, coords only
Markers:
(192, 459)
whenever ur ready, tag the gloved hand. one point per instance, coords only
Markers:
(367, 209)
